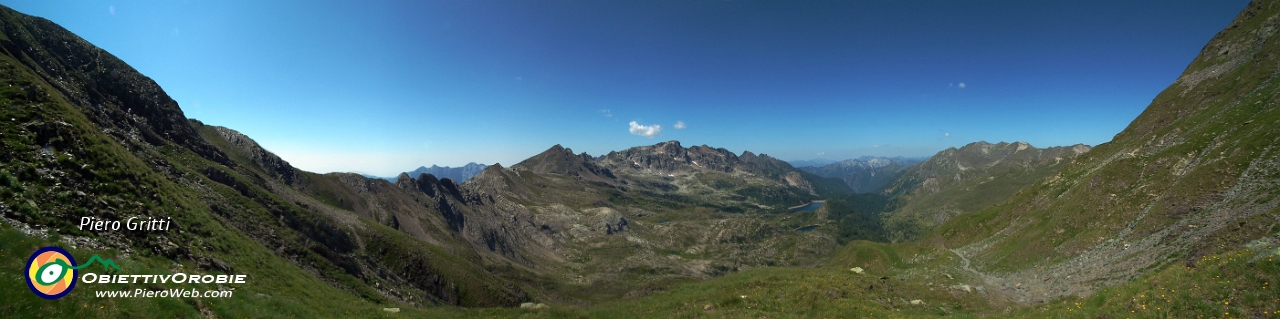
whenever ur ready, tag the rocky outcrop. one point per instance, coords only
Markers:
(562, 161)
(268, 161)
(565, 223)
(670, 158)
(125, 104)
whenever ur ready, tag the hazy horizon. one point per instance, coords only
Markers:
(381, 88)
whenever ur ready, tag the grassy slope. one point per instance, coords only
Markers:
(882, 291)
(119, 179)
(930, 193)
(391, 250)
(1193, 144)
(774, 292)
(1188, 151)
(1196, 170)
(1236, 283)
(673, 230)
(286, 292)
(1231, 284)
(59, 165)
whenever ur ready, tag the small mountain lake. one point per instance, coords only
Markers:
(808, 208)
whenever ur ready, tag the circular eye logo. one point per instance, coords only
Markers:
(51, 272)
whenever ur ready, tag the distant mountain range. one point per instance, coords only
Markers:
(457, 174)
(818, 162)
(1184, 197)
(866, 174)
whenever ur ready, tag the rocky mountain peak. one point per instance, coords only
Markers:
(276, 166)
(404, 181)
(669, 147)
(672, 158)
(129, 106)
(1081, 148)
(561, 160)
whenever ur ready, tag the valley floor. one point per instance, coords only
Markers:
(894, 284)
(896, 281)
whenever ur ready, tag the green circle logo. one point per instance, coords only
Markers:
(51, 272)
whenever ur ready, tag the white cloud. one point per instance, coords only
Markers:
(946, 134)
(961, 85)
(679, 125)
(645, 130)
(606, 113)
(822, 153)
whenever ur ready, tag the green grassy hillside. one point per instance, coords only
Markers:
(86, 136)
(1194, 175)
(966, 180)
(1176, 217)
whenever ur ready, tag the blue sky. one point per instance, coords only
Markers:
(384, 87)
